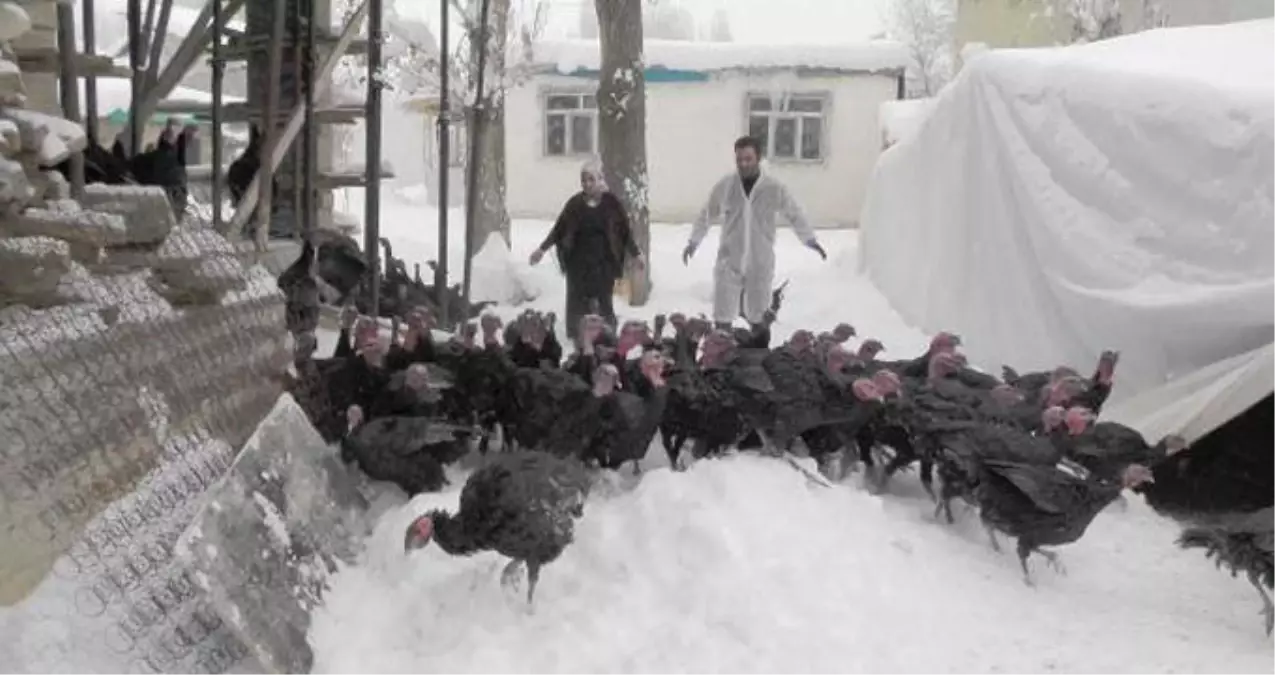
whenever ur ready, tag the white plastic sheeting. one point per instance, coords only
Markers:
(1118, 195)
(1193, 405)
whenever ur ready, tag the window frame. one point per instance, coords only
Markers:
(773, 116)
(568, 114)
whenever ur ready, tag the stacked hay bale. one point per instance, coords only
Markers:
(109, 311)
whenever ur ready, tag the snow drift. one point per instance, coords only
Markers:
(737, 566)
(1058, 202)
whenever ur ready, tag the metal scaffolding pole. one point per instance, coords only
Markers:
(298, 162)
(444, 152)
(310, 129)
(218, 80)
(477, 124)
(372, 201)
(90, 81)
(135, 121)
(69, 83)
(270, 128)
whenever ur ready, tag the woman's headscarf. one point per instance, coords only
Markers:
(593, 167)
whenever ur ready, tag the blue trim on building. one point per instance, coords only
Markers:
(653, 74)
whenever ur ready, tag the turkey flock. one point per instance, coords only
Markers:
(162, 164)
(1025, 450)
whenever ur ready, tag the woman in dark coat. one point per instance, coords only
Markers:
(593, 241)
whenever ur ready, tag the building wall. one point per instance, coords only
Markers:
(691, 127)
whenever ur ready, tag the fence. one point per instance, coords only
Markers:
(136, 356)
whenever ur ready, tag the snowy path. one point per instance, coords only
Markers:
(737, 566)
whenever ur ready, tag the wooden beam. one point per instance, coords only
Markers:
(274, 155)
(270, 130)
(148, 27)
(242, 112)
(242, 48)
(87, 21)
(157, 43)
(69, 83)
(191, 47)
(47, 60)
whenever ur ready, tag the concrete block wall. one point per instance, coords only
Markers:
(137, 354)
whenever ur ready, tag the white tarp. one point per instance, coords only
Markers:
(1195, 404)
(1118, 195)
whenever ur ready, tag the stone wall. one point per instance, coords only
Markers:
(136, 355)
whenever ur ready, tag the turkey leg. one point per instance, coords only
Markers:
(991, 537)
(1025, 550)
(1268, 608)
(1052, 560)
(511, 577)
(533, 576)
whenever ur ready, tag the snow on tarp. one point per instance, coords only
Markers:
(877, 55)
(900, 120)
(1118, 195)
(1195, 404)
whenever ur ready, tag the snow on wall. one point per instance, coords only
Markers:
(690, 129)
(878, 55)
(1058, 202)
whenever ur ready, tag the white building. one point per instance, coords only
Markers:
(814, 108)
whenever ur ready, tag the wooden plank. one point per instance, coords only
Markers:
(46, 61)
(242, 112)
(240, 49)
(269, 132)
(189, 50)
(322, 80)
(158, 38)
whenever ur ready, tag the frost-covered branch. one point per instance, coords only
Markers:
(1089, 20)
(925, 26)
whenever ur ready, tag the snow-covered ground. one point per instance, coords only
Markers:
(739, 566)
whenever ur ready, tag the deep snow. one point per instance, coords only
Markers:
(738, 566)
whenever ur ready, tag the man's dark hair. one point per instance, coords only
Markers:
(748, 142)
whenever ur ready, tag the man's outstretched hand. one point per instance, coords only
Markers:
(688, 253)
(813, 245)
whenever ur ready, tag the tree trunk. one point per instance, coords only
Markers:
(622, 125)
(491, 214)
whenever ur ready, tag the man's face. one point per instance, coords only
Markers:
(747, 161)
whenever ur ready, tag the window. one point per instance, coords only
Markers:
(789, 127)
(457, 144)
(571, 124)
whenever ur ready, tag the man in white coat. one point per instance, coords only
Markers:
(747, 202)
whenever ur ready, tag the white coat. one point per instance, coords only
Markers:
(746, 254)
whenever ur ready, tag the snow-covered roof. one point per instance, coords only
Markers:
(568, 56)
(900, 119)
